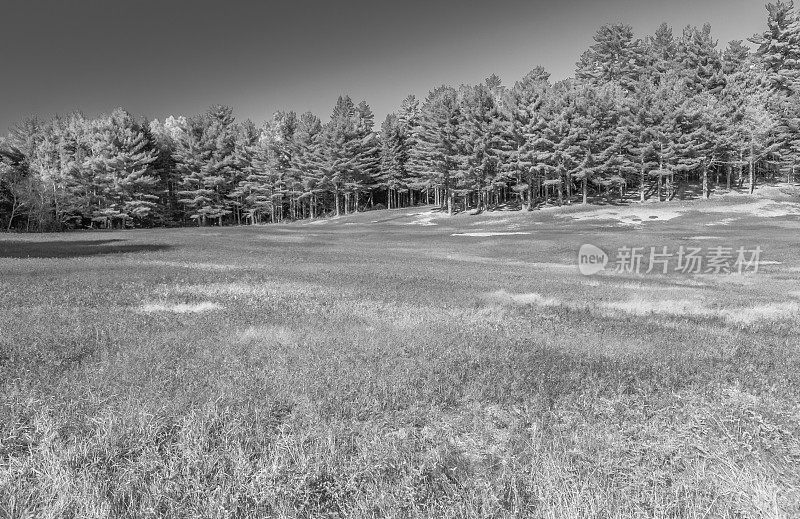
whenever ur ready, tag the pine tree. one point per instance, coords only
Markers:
(484, 146)
(244, 151)
(339, 151)
(164, 137)
(615, 56)
(435, 156)
(394, 158)
(564, 134)
(397, 140)
(218, 169)
(648, 130)
(277, 163)
(191, 155)
(525, 124)
(661, 53)
(699, 146)
(79, 196)
(778, 54)
(596, 123)
(307, 160)
(135, 155)
(366, 154)
(735, 57)
(700, 61)
(257, 187)
(538, 151)
(205, 157)
(779, 48)
(408, 117)
(753, 131)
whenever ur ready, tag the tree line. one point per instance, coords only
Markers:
(642, 118)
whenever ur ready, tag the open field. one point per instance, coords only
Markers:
(403, 364)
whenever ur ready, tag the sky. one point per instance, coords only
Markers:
(177, 57)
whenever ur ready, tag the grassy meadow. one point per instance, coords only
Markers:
(401, 364)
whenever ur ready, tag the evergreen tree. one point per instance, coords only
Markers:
(735, 57)
(218, 171)
(244, 151)
(596, 123)
(753, 131)
(661, 53)
(205, 157)
(778, 54)
(339, 150)
(164, 137)
(366, 155)
(779, 48)
(408, 125)
(435, 156)
(483, 145)
(525, 124)
(276, 161)
(191, 155)
(615, 56)
(394, 157)
(700, 61)
(257, 187)
(135, 155)
(307, 160)
(698, 147)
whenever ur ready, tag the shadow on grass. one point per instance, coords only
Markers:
(72, 249)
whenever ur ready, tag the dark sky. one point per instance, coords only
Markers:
(158, 58)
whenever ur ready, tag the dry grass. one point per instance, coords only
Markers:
(388, 370)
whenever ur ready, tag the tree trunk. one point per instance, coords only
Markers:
(641, 181)
(705, 180)
(728, 176)
(449, 202)
(569, 188)
(669, 187)
(55, 206)
(752, 168)
(740, 180)
(658, 187)
(14, 207)
(530, 191)
(585, 190)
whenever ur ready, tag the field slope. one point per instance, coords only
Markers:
(403, 364)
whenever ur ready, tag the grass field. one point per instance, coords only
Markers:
(403, 364)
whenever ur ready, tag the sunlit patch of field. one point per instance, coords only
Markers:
(386, 365)
(179, 308)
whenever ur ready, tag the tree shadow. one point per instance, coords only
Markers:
(72, 249)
